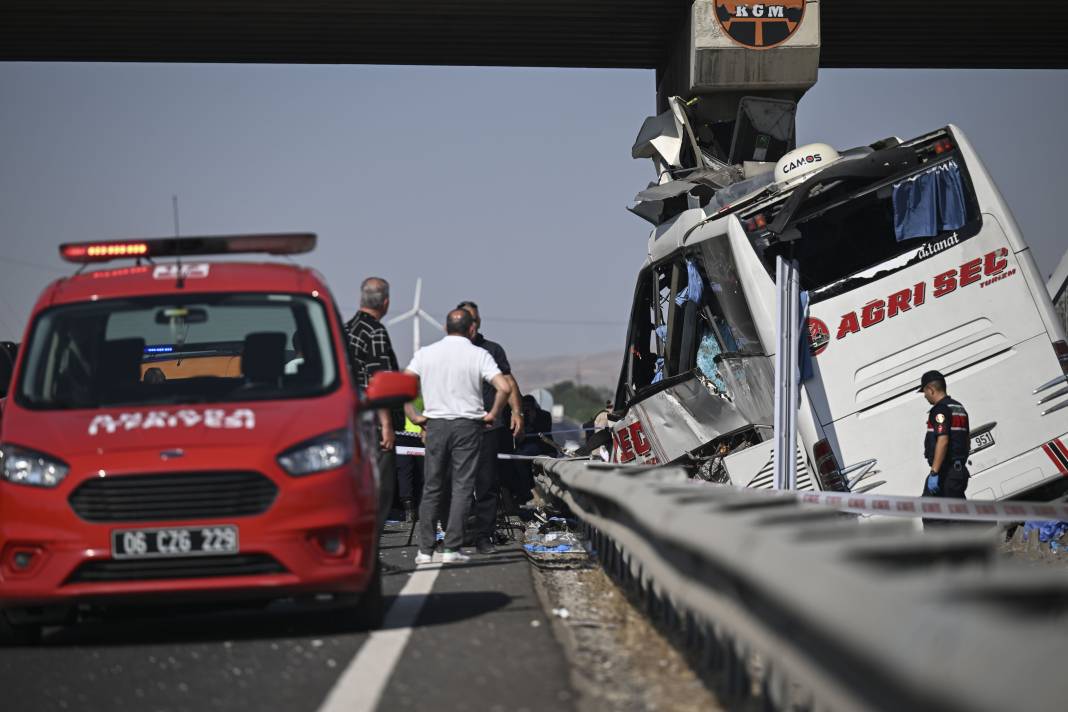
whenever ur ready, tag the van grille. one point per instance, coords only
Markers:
(173, 496)
(185, 567)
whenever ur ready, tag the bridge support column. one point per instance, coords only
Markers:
(725, 51)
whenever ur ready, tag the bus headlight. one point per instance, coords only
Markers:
(28, 467)
(326, 452)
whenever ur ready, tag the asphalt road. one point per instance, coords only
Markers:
(480, 641)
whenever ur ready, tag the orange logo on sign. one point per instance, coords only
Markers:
(758, 24)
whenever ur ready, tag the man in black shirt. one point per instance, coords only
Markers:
(496, 439)
(948, 440)
(371, 351)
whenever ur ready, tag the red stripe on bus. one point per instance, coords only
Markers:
(1056, 460)
(1060, 446)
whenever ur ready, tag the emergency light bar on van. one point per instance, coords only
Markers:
(273, 244)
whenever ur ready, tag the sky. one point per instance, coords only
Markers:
(504, 186)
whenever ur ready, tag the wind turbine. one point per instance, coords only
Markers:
(415, 313)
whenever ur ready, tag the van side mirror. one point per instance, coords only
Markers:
(390, 389)
(8, 352)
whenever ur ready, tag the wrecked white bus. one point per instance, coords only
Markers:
(909, 260)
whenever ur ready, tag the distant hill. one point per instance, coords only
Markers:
(581, 403)
(600, 370)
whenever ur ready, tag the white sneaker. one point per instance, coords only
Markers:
(422, 558)
(454, 557)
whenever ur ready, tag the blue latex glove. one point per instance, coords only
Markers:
(932, 483)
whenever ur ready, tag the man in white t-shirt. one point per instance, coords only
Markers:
(451, 373)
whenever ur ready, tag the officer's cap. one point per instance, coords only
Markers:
(930, 376)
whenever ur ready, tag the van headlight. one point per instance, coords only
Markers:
(326, 452)
(28, 467)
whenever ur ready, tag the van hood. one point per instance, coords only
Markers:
(70, 434)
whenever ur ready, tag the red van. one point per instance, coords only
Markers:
(186, 430)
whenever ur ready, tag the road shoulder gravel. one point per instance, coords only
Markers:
(618, 660)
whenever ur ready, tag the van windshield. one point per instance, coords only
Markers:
(175, 350)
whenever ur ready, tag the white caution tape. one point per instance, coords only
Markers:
(421, 452)
(976, 510)
(546, 433)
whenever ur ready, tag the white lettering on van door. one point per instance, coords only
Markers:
(188, 418)
(102, 421)
(155, 419)
(129, 421)
(212, 418)
(189, 271)
(241, 418)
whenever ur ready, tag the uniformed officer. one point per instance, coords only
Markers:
(948, 440)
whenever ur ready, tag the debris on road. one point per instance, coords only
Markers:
(1041, 542)
(552, 543)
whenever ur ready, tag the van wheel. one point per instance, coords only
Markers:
(366, 611)
(14, 634)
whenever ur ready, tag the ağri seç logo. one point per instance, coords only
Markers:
(819, 336)
(760, 25)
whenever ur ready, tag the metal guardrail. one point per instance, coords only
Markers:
(829, 613)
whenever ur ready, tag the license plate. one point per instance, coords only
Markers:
(174, 541)
(982, 441)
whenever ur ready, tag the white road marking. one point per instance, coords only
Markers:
(360, 686)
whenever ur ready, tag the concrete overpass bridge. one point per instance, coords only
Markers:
(480, 631)
(554, 33)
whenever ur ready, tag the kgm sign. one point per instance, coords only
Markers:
(760, 25)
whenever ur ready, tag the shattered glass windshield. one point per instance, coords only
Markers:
(728, 308)
(178, 349)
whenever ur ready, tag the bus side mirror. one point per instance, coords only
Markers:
(390, 389)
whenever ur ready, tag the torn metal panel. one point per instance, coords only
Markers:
(661, 139)
(750, 382)
(676, 421)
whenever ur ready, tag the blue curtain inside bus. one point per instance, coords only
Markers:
(695, 287)
(661, 337)
(929, 203)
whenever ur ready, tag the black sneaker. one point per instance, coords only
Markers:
(485, 546)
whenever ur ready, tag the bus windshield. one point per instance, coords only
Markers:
(178, 349)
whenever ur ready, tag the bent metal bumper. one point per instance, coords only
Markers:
(286, 542)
